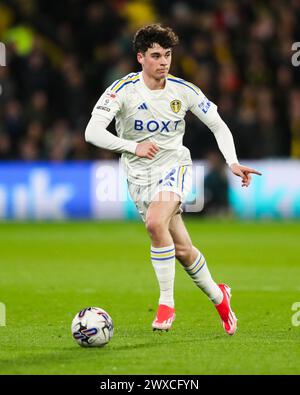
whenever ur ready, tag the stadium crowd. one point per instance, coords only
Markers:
(62, 55)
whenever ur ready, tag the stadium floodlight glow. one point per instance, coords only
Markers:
(2, 54)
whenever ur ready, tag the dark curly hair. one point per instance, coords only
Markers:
(148, 35)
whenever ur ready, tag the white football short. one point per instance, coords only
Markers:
(177, 180)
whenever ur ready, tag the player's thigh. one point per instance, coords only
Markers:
(182, 240)
(162, 208)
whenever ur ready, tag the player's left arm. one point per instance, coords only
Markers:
(207, 112)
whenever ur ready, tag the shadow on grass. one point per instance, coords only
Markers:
(70, 357)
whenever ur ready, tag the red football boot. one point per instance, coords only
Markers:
(228, 318)
(164, 318)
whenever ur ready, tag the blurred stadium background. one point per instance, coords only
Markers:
(60, 56)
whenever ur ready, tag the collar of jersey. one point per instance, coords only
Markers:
(154, 92)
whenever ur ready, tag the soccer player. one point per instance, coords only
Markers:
(149, 107)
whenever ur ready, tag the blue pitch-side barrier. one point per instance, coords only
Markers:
(97, 190)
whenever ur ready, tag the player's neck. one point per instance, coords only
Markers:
(153, 83)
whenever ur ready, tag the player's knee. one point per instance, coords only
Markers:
(155, 226)
(183, 252)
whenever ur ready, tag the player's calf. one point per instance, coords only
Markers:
(185, 254)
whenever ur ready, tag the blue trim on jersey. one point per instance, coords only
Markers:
(182, 83)
(125, 83)
(115, 83)
(130, 76)
(183, 179)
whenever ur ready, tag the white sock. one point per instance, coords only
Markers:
(201, 276)
(163, 261)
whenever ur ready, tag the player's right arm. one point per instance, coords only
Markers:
(207, 112)
(97, 134)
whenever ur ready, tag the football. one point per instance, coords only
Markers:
(92, 327)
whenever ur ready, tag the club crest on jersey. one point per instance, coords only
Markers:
(175, 105)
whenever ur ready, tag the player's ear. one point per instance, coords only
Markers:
(140, 58)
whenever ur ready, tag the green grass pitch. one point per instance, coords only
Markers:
(49, 271)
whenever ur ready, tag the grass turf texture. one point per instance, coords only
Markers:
(50, 271)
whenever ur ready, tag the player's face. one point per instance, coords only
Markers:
(156, 61)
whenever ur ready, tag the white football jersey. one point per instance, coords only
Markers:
(156, 115)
